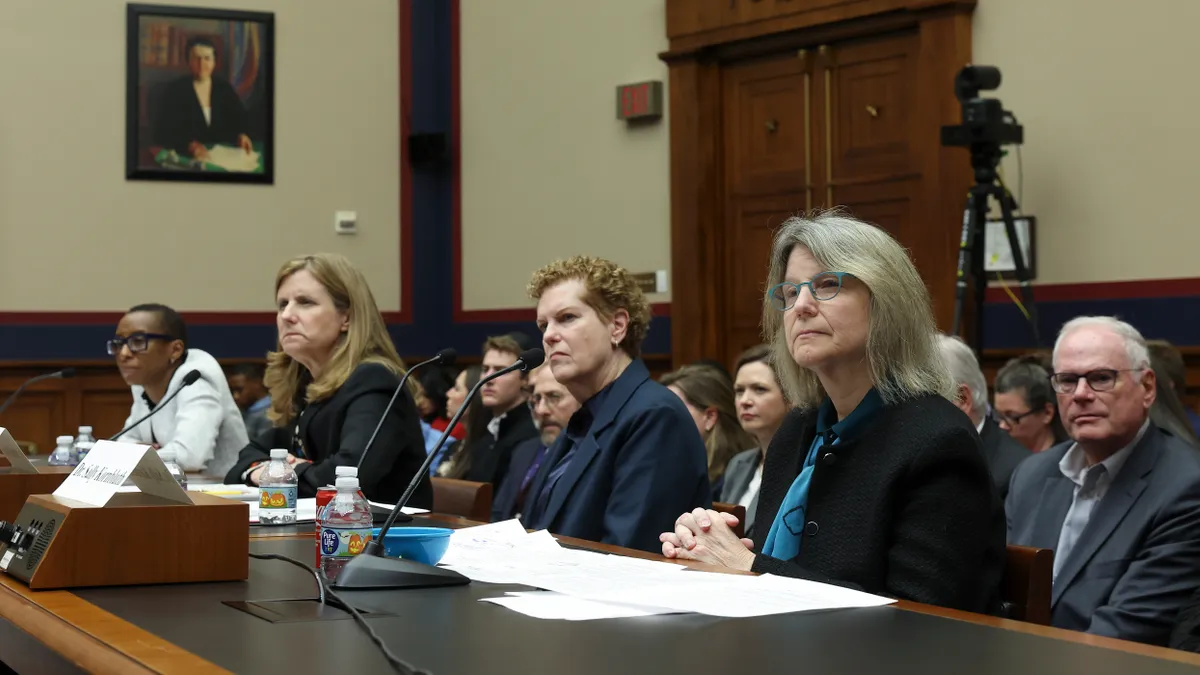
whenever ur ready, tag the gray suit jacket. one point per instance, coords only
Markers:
(1135, 564)
(1003, 454)
(738, 474)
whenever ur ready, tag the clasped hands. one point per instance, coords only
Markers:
(705, 536)
(257, 472)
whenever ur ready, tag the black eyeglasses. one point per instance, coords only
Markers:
(552, 399)
(1101, 379)
(1011, 420)
(137, 343)
(824, 286)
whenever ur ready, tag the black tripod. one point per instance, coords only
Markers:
(985, 158)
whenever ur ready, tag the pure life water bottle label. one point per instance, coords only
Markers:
(277, 497)
(343, 542)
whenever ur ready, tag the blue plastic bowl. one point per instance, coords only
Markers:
(420, 544)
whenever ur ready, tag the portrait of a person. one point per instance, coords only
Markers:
(201, 109)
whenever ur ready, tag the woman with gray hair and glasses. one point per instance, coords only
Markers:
(876, 481)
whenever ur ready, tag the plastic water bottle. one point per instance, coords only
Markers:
(168, 458)
(83, 444)
(62, 455)
(277, 491)
(344, 527)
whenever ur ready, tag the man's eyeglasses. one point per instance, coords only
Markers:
(1101, 379)
(1011, 420)
(137, 343)
(824, 286)
(552, 399)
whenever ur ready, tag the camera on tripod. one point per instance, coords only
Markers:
(985, 121)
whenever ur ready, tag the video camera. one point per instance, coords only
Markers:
(985, 121)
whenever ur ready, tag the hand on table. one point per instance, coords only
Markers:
(705, 536)
(197, 150)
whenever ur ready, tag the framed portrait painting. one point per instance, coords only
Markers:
(200, 94)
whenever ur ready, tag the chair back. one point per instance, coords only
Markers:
(737, 510)
(464, 498)
(1028, 575)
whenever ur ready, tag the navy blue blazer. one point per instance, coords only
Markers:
(504, 502)
(640, 465)
(1134, 566)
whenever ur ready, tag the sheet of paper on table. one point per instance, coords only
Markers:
(549, 605)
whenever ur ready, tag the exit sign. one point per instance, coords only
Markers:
(641, 101)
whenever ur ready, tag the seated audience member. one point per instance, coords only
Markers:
(552, 407)
(1120, 505)
(876, 481)
(1002, 451)
(1167, 362)
(436, 383)
(331, 379)
(202, 424)
(629, 460)
(708, 396)
(1024, 404)
(250, 394)
(509, 421)
(1167, 412)
(761, 408)
(452, 462)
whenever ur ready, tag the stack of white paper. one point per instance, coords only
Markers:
(587, 585)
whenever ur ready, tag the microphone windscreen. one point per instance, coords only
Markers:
(447, 356)
(191, 378)
(532, 358)
(66, 372)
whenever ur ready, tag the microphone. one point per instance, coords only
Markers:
(446, 357)
(370, 569)
(64, 373)
(188, 379)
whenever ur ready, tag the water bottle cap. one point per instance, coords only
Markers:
(339, 471)
(64, 440)
(85, 430)
(279, 453)
(166, 455)
(347, 482)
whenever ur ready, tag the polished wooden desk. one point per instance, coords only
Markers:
(185, 628)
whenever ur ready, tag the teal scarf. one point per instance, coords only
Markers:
(783, 541)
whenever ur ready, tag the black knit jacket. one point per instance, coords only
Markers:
(906, 509)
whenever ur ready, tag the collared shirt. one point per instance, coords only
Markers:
(577, 429)
(493, 425)
(1091, 484)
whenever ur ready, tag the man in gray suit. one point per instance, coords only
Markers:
(1002, 451)
(1120, 505)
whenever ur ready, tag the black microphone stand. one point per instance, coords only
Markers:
(371, 569)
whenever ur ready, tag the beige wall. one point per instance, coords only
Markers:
(1103, 89)
(547, 169)
(75, 235)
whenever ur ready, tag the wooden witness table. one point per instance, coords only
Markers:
(64, 631)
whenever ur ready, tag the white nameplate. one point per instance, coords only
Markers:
(108, 465)
(12, 452)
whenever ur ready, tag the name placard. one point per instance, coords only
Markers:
(108, 465)
(12, 452)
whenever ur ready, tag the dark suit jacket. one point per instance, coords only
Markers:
(490, 456)
(1137, 560)
(335, 431)
(180, 119)
(907, 509)
(738, 474)
(1003, 454)
(505, 498)
(1186, 635)
(640, 465)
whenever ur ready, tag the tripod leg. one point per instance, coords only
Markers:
(964, 256)
(978, 274)
(1010, 230)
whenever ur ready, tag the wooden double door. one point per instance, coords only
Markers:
(828, 126)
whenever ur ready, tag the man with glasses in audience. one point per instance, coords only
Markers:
(552, 407)
(1119, 505)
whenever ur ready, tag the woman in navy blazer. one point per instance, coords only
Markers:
(631, 459)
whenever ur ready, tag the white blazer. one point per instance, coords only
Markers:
(202, 424)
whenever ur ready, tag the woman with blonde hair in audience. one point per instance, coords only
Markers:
(708, 395)
(761, 408)
(331, 378)
(876, 481)
(1025, 405)
(629, 458)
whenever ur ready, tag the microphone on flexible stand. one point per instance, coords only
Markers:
(188, 379)
(371, 569)
(64, 373)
